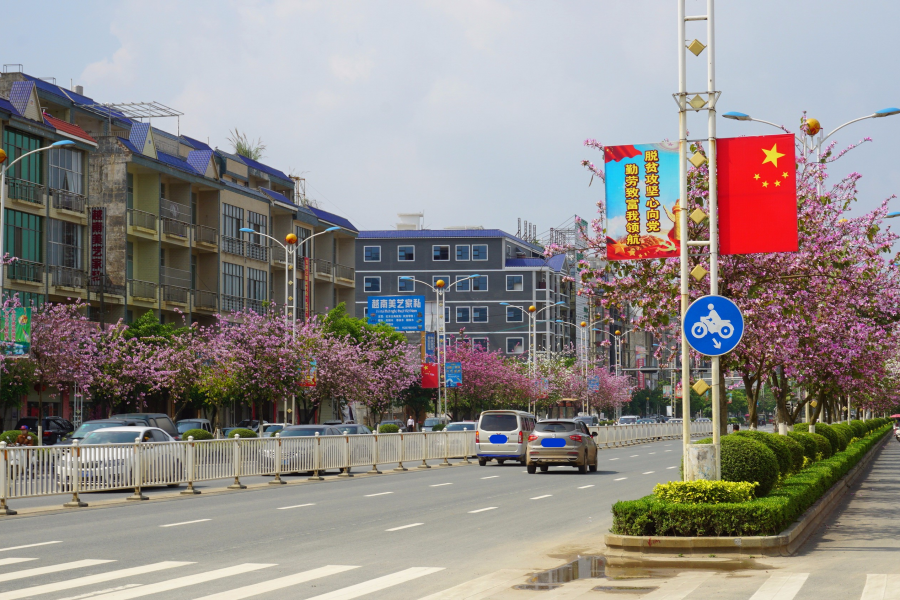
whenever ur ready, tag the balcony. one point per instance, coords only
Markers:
(25, 191)
(66, 200)
(204, 300)
(344, 272)
(232, 303)
(323, 267)
(141, 219)
(68, 277)
(257, 252)
(175, 227)
(232, 245)
(256, 306)
(25, 271)
(143, 290)
(174, 293)
(99, 286)
(205, 235)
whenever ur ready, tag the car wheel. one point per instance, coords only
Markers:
(545, 468)
(532, 469)
(482, 462)
(593, 468)
(582, 468)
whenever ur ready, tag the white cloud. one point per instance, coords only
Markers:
(350, 69)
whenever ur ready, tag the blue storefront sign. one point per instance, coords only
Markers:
(453, 374)
(430, 343)
(403, 313)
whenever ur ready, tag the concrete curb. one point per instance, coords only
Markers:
(652, 551)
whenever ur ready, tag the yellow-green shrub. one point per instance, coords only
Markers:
(702, 491)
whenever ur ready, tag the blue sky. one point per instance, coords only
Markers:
(473, 111)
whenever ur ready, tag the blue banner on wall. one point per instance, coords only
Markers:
(403, 313)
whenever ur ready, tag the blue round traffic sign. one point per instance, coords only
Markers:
(713, 325)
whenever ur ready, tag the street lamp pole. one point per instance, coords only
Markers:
(532, 313)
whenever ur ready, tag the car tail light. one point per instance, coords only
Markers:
(520, 436)
(576, 438)
(477, 437)
(532, 437)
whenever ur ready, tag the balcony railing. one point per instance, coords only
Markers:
(232, 303)
(139, 218)
(100, 286)
(141, 289)
(257, 252)
(323, 267)
(344, 272)
(68, 277)
(174, 293)
(205, 300)
(19, 189)
(174, 210)
(205, 235)
(66, 200)
(176, 277)
(255, 305)
(25, 270)
(232, 245)
(175, 227)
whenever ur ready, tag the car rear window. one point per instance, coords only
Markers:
(499, 423)
(555, 427)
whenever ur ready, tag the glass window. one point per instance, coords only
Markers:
(23, 236)
(256, 284)
(555, 427)
(372, 284)
(498, 422)
(463, 314)
(303, 234)
(259, 223)
(479, 252)
(233, 221)
(480, 342)
(440, 252)
(444, 278)
(406, 253)
(480, 284)
(66, 172)
(462, 252)
(515, 345)
(446, 314)
(233, 279)
(65, 248)
(372, 253)
(25, 298)
(129, 261)
(15, 144)
(129, 190)
(514, 283)
(480, 314)
(514, 314)
(406, 285)
(462, 283)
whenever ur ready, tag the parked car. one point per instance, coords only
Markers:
(94, 425)
(627, 420)
(589, 420)
(461, 426)
(678, 421)
(251, 424)
(353, 429)
(159, 420)
(270, 429)
(397, 422)
(561, 442)
(297, 458)
(188, 424)
(703, 420)
(54, 428)
(430, 422)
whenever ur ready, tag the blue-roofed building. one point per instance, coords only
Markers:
(509, 270)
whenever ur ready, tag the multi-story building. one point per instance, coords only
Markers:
(168, 238)
(510, 270)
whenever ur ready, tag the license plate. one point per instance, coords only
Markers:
(553, 443)
(498, 439)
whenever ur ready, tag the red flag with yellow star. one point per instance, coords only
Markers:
(757, 183)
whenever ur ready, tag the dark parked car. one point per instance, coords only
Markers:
(397, 422)
(159, 420)
(461, 426)
(54, 428)
(353, 429)
(188, 424)
(91, 426)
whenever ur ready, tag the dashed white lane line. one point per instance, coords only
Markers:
(185, 523)
(584, 487)
(668, 450)
(296, 506)
(472, 512)
(620, 479)
(404, 527)
(648, 473)
(634, 455)
(671, 468)
(491, 477)
(440, 484)
(544, 496)
(29, 546)
(653, 453)
(379, 494)
(614, 459)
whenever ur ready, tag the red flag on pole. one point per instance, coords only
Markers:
(757, 184)
(429, 375)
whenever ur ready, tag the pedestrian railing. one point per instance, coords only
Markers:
(611, 436)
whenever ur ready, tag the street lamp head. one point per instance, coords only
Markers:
(473, 276)
(3, 156)
(331, 229)
(246, 230)
(290, 239)
(62, 143)
(886, 112)
(505, 304)
(618, 332)
(813, 126)
(558, 303)
(584, 323)
(892, 215)
(532, 308)
(440, 283)
(737, 116)
(406, 277)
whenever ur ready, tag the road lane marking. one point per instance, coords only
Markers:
(296, 506)
(634, 455)
(544, 496)
(667, 468)
(648, 473)
(584, 487)
(180, 582)
(52, 569)
(668, 450)
(106, 591)
(614, 459)
(29, 546)
(185, 523)
(491, 477)
(472, 512)
(881, 587)
(620, 479)
(782, 586)
(379, 494)
(498, 581)
(14, 561)
(440, 484)
(373, 585)
(60, 586)
(276, 584)
(679, 588)
(404, 527)
(653, 453)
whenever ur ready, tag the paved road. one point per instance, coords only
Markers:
(407, 535)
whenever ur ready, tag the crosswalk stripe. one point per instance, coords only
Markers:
(881, 587)
(30, 546)
(14, 561)
(678, 588)
(51, 569)
(476, 589)
(279, 583)
(381, 583)
(780, 586)
(180, 582)
(90, 580)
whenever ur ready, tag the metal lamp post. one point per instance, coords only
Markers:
(532, 312)
(290, 299)
(582, 337)
(3, 169)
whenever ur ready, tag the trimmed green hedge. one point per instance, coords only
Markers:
(763, 516)
(12, 435)
(388, 428)
(703, 491)
(824, 445)
(859, 428)
(745, 459)
(776, 444)
(244, 433)
(810, 447)
(198, 434)
(846, 432)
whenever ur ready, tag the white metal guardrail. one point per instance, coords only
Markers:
(625, 435)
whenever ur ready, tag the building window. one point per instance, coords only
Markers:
(406, 253)
(462, 252)
(444, 278)
(446, 314)
(129, 260)
(65, 245)
(66, 172)
(405, 285)
(515, 345)
(303, 234)
(480, 342)
(256, 284)
(233, 221)
(514, 283)
(463, 314)
(23, 236)
(233, 279)
(372, 253)
(480, 314)
(462, 283)
(479, 252)
(372, 284)
(15, 144)
(129, 190)
(514, 314)
(25, 298)
(480, 283)
(258, 223)
(440, 252)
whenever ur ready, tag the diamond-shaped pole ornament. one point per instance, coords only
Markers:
(696, 47)
(697, 160)
(700, 387)
(698, 272)
(698, 215)
(697, 102)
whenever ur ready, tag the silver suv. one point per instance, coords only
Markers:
(561, 442)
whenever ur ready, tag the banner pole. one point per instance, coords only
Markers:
(713, 225)
(683, 246)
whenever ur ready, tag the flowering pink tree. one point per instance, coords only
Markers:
(488, 380)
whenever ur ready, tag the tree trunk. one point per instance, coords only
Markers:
(752, 398)
(817, 410)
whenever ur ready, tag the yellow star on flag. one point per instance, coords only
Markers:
(756, 176)
(772, 155)
(765, 184)
(777, 183)
(784, 174)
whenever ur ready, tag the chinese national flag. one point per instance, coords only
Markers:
(429, 375)
(757, 194)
